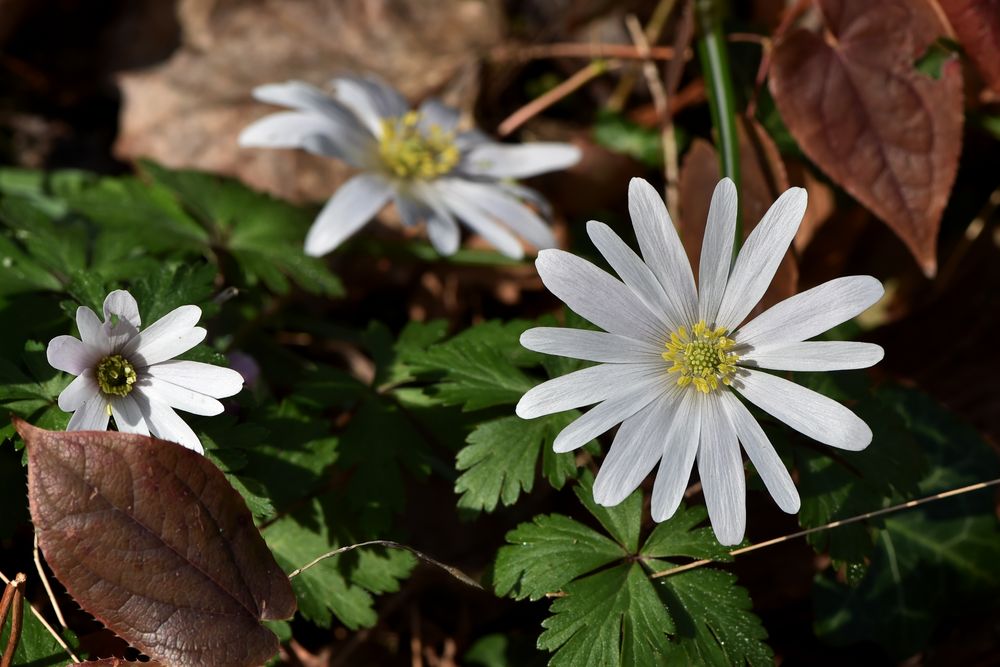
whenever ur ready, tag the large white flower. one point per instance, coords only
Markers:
(418, 158)
(675, 359)
(131, 374)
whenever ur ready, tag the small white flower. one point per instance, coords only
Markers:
(674, 357)
(433, 171)
(130, 374)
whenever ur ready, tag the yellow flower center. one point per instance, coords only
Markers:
(701, 357)
(115, 375)
(413, 152)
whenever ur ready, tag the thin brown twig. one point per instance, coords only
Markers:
(47, 586)
(589, 51)
(652, 31)
(833, 524)
(543, 102)
(47, 626)
(15, 602)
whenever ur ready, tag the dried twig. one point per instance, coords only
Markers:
(12, 602)
(590, 51)
(48, 587)
(47, 626)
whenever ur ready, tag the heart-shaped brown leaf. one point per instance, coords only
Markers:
(977, 24)
(151, 539)
(853, 99)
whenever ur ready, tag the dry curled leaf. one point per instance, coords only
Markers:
(977, 25)
(189, 111)
(151, 539)
(887, 133)
(115, 662)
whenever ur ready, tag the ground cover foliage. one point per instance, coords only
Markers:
(380, 381)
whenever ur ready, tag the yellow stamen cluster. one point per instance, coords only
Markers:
(115, 375)
(702, 357)
(413, 152)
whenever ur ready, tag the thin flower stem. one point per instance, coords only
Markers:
(47, 626)
(651, 32)
(833, 524)
(48, 587)
(714, 60)
(15, 603)
(543, 102)
(453, 571)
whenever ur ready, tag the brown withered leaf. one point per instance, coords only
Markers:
(887, 133)
(151, 539)
(115, 662)
(763, 180)
(189, 111)
(977, 25)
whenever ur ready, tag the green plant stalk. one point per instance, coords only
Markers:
(721, 99)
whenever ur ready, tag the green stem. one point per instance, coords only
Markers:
(721, 99)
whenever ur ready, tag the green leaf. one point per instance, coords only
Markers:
(622, 521)
(173, 285)
(497, 650)
(619, 134)
(500, 461)
(931, 563)
(680, 537)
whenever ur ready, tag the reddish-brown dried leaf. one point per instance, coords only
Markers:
(115, 662)
(889, 134)
(764, 179)
(977, 25)
(151, 539)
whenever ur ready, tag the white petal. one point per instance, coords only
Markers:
(761, 453)
(128, 417)
(590, 345)
(442, 228)
(527, 194)
(411, 211)
(679, 450)
(760, 256)
(806, 411)
(371, 100)
(79, 391)
(636, 448)
(179, 398)
(661, 248)
(584, 387)
(519, 160)
(597, 297)
(717, 250)
(812, 312)
(604, 416)
(92, 331)
(123, 305)
(354, 204)
(467, 209)
(165, 424)
(207, 379)
(720, 467)
(68, 354)
(174, 333)
(814, 356)
(634, 273)
(434, 112)
(311, 132)
(91, 416)
(493, 202)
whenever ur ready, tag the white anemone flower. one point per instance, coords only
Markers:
(676, 359)
(419, 159)
(132, 374)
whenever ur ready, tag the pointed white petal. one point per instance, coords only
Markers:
(179, 398)
(434, 112)
(602, 417)
(122, 304)
(806, 411)
(720, 467)
(79, 391)
(495, 203)
(442, 228)
(165, 424)
(128, 417)
(313, 133)
(661, 248)
(597, 297)
(812, 312)
(411, 210)
(637, 447)
(174, 333)
(679, 452)
(760, 256)
(208, 379)
(814, 356)
(634, 273)
(91, 416)
(68, 354)
(519, 160)
(92, 331)
(370, 99)
(590, 345)
(717, 250)
(761, 453)
(354, 204)
(584, 387)
(467, 209)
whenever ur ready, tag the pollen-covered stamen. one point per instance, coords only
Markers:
(411, 151)
(115, 375)
(702, 357)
